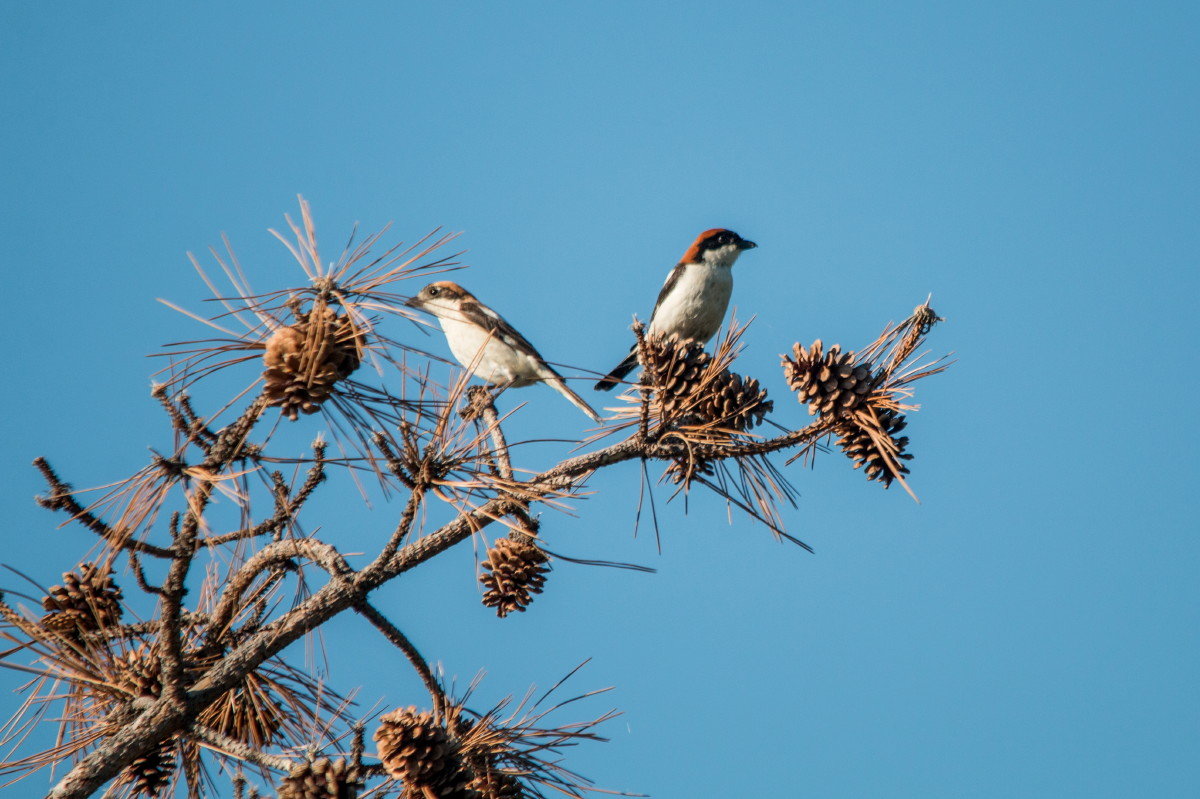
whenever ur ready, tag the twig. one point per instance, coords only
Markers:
(401, 531)
(286, 507)
(491, 423)
(62, 498)
(203, 435)
(139, 575)
(273, 555)
(142, 628)
(232, 439)
(172, 594)
(639, 332)
(393, 634)
(485, 403)
(178, 422)
(226, 745)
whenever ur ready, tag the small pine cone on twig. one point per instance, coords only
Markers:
(87, 600)
(137, 673)
(492, 784)
(829, 382)
(476, 400)
(421, 753)
(514, 571)
(149, 774)
(321, 779)
(871, 441)
(734, 402)
(304, 361)
(686, 469)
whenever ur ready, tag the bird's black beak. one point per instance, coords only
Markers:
(746, 244)
(413, 302)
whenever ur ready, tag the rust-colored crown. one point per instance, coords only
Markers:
(692, 255)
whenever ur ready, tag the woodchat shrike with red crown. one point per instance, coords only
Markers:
(693, 301)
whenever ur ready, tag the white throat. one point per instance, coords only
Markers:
(442, 308)
(722, 256)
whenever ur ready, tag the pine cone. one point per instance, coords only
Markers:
(150, 774)
(305, 360)
(829, 382)
(493, 784)
(321, 779)
(68, 622)
(856, 441)
(476, 400)
(674, 368)
(513, 572)
(87, 600)
(419, 752)
(734, 402)
(685, 471)
(137, 673)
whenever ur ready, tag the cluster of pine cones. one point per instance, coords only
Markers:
(688, 388)
(137, 674)
(836, 386)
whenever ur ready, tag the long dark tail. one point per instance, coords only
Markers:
(623, 368)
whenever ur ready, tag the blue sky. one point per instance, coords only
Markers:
(1029, 630)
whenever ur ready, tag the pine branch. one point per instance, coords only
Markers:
(208, 673)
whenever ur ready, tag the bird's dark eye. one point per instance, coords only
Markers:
(434, 291)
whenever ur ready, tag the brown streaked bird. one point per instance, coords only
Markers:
(487, 345)
(693, 301)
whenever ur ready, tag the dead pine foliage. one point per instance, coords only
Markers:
(159, 665)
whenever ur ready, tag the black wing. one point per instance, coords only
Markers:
(672, 279)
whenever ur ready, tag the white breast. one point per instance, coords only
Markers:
(487, 357)
(697, 303)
